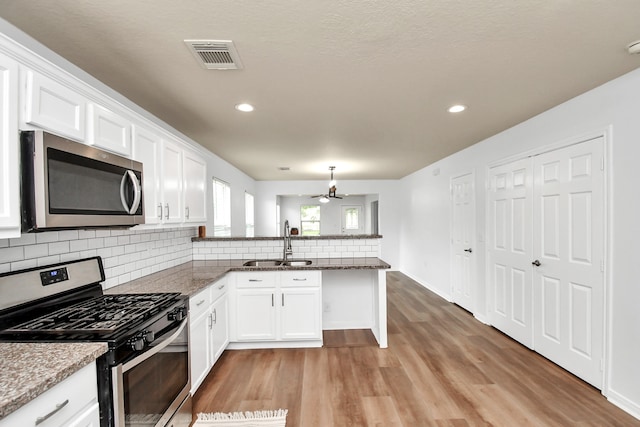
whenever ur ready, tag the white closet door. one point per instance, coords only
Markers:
(568, 285)
(463, 232)
(510, 250)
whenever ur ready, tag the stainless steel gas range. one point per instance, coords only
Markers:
(143, 379)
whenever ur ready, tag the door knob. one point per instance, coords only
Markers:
(468, 250)
(536, 263)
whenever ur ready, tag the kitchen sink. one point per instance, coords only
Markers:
(277, 262)
(263, 263)
(297, 262)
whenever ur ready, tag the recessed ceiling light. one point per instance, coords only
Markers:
(457, 108)
(245, 108)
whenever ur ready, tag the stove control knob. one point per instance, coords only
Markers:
(177, 314)
(137, 344)
(149, 336)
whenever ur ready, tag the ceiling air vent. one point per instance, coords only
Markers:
(215, 54)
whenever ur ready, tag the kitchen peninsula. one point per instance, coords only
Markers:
(238, 306)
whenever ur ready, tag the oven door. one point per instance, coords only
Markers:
(149, 389)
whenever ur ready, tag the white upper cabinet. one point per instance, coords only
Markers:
(108, 130)
(174, 179)
(195, 187)
(146, 149)
(52, 106)
(9, 158)
(171, 182)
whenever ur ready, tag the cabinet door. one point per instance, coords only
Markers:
(146, 149)
(255, 314)
(195, 187)
(199, 344)
(300, 315)
(54, 107)
(89, 418)
(109, 131)
(219, 327)
(171, 182)
(9, 161)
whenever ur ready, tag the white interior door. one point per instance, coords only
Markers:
(568, 285)
(546, 255)
(510, 250)
(352, 219)
(462, 242)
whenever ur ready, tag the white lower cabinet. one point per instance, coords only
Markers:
(277, 306)
(208, 329)
(72, 402)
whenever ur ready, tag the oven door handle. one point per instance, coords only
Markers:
(155, 349)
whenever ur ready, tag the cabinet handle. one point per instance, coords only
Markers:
(186, 212)
(282, 300)
(215, 317)
(221, 287)
(59, 406)
(167, 214)
(200, 303)
(295, 279)
(273, 304)
(255, 280)
(159, 211)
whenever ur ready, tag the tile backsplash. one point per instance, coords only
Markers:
(273, 248)
(126, 254)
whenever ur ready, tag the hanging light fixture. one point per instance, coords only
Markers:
(324, 198)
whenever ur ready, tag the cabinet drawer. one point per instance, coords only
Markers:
(218, 289)
(199, 303)
(71, 396)
(298, 278)
(256, 279)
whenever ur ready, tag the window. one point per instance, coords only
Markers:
(310, 220)
(248, 215)
(221, 208)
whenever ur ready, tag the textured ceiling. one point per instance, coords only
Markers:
(362, 85)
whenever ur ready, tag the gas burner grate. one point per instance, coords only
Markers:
(100, 315)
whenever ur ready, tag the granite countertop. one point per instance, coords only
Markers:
(191, 277)
(29, 369)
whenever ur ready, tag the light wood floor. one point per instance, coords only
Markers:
(442, 368)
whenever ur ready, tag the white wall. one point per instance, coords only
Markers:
(425, 235)
(330, 213)
(389, 198)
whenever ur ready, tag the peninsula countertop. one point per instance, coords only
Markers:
(191, 277)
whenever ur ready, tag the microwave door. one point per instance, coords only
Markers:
(73, 185)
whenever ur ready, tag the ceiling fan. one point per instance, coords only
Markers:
(324, 198)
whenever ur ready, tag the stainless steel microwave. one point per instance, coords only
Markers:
(66, 185)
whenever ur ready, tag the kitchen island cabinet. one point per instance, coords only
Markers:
(276, 309)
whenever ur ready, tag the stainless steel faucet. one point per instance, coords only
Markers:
(287, 241)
